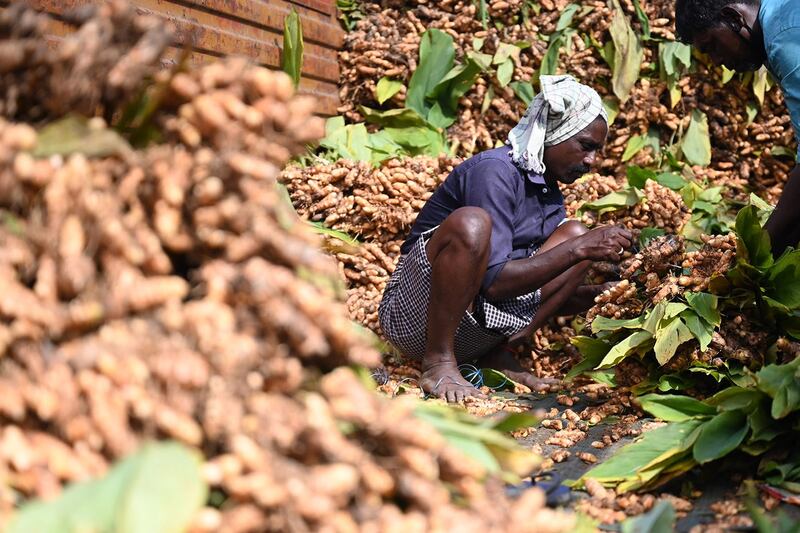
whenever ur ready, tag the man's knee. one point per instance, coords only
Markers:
(471, 227)
(572, 229)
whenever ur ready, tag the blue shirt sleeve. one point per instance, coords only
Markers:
(494, 186)
(783, 54)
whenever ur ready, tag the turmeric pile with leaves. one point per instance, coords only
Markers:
(155, 284)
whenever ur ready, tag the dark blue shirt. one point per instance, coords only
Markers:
(524, 209)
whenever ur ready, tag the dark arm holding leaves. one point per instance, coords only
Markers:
(521, 276)
(783, 225)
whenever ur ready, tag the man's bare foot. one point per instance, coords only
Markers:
(442, 379)
(502, 359)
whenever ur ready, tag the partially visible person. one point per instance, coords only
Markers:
(491, 257)
(743, 35)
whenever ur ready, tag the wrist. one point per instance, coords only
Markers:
(576, 255)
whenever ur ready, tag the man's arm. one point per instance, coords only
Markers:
(521, 276)
(784, 224)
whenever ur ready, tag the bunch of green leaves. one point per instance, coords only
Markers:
(408, 135)
(431, 106)
(349, 13)
(438, 82)
(557, 41)
(158, 489)
(768, 286)
(712, 214)
(759, 417)
(502, 64)
(292, 51)
(484, 440)
(654, 337)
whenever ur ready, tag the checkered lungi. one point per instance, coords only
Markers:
(403, 311)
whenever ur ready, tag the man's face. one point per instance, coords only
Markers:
(569, 160)
(726, 47)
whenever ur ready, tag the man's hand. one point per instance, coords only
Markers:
(606, 243)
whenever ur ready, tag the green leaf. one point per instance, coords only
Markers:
(654, 317)
(475, 450)
(720, 436)
(621, 350)
(628, 53)
(672, 408)
(615, 200)
(701, 330)
(754, 239)
(761, 84)
(504, 72)
(292, 51)
(436, 57)
(523, 90)
(157, 490)
(567, 17)
(611, 105)
(634, 146)
(648, 234)
(784, 278)
(673, 382)
(515, 421)
(727, 75)
(593, 350)
(386, 88)
(447, 92)
(752, 111)
(496, 380)
(638, 176)
(628, 462)
(786, 400)
(483, 13)
(782, 151)
(711, 194)
(418, 141)
(605, 377)
(696, 144)
(487, 99)
(318, 227)
(705, 305)
(659, 519)
(348, 142)
(72, 135)
(735, 398)
(675, 57)
(669, 338)
(394, 118)
(673, 309)
(505, 51)
(643, 20)
(601, 323)
(549, 64)
(484, 61)
(671, 180)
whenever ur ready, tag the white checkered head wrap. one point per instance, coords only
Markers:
(562, 109)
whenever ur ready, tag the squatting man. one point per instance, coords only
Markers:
(743, 35)
(491, 256)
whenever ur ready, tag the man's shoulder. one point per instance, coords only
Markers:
(496, 157)
(777, 16)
